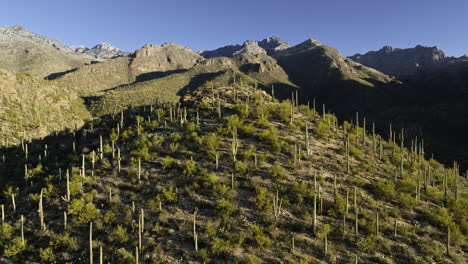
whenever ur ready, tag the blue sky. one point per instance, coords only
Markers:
(351, 26)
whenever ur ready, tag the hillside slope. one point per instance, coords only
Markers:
(229, 176)
(31, 107)
(260, 70)
(340, 83)
(145, 63)
(24, 51)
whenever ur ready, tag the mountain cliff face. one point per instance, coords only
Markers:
(169, 56)
(101, 51)
(25, 51)
(269, 46)
(403, 63)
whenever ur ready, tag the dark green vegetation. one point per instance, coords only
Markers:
(229, 175)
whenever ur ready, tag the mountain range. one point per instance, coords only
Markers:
(263, 152)
(411, 88)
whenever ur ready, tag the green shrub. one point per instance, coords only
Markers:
(260, 238)
(277, 172)
(83, 211)
(167, 162)
(190, 168)
(262, 199)
(270, 137)
(241, 110)
(119, 234)
(47, 254)
(322, 129)
(384, 190)
(225, 208)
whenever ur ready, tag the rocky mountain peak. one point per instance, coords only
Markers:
(387, 49)
(101, 51)
(273, 44)
(270, 46)
(250, 47)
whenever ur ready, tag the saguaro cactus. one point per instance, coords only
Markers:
(41, 212)
(90, 242)
(22, 231)
(195, 236)
(314, 223)
(277, 206)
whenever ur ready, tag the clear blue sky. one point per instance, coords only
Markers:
(351, 26)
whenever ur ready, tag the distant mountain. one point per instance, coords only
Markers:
(342, 84)
(403, 63)
(268, 46)
(145, 63)
(101, 51)
(437, 92)
(25, 51)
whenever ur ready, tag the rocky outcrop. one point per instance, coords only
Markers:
(269, 46)
(101, 51)
(250, 47)
(169, 56)
(272, 45)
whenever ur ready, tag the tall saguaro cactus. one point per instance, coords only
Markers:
(277, 206)
(195, 235)
(90, 242)
(41, 212)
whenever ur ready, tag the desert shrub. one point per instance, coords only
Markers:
(339, 206)
(283, 111)
(249, 153)
(301, 191)
(119, 235)
(190, 168)
(406, 200)
(14, 248)
(225, 208)
(83, 211)
(167, 162)
(384, 189)
(322, 129)
(406, 185)
(241, 167)
(270, 137)
(47, 254)
(220, 246)
(259, 237)
(323, 231)
(64, 242)
(262, 199)
(168, 194)
(277, 171)
(242, 110)
(190, 127)
(209, 142)
(141, 147)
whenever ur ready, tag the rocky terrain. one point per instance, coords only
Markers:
(25, 51)
(101, 51)
(269, 46)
